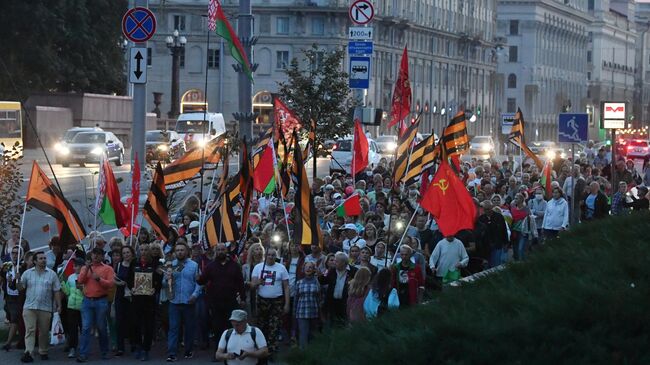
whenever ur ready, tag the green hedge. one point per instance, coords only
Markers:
(582, 300)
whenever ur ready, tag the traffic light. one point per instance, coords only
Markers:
(478, 110)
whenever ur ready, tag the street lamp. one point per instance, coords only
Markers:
(176, 44)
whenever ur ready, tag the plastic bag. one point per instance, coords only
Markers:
(57, 336)
(451, 275)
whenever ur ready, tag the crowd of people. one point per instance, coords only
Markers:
(246, 300)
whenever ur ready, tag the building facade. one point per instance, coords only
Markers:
(451, 47)
(542, 65)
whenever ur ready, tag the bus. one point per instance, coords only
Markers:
(11, 127)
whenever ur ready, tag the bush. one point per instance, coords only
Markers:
(579, 301)
(11, 179)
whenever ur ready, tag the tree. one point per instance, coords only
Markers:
(11, 178)
(71, 46)
(317, 89)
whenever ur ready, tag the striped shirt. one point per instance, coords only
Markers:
(40, 287)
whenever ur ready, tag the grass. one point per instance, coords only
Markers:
(582, 300)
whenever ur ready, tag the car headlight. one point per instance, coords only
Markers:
(486, 147)
(97, 151)
(63, 150)
(163, 148)
(58, 146)
(550, 154)
(201, 143)
(563, 155)
(391, 146)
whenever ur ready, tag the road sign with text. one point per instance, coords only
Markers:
(360, 33)
(359, 48)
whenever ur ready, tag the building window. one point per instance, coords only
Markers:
(589, 75)
(282, 60)
(589, 56)
(590, 4)
(512, 55)
(282, 25)
(149, 54)
(512, 81)
(512, 105)
(179, 22)
(514, 27)
(318, 25)
(182, 58)
(213, 58)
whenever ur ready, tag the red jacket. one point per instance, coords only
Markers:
(414, 280)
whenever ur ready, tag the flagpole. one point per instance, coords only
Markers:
(20, 237)
(399, 245)
(354, 140)
(98, 196)
(279, 186)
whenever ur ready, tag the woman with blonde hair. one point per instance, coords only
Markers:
(254, 256)
(370, 235)
(357, 295)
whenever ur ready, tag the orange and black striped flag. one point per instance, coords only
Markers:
(422, 158)
(46, 197)
(306, 228)
(517, 137)
(155, 210)
(180, 172)
(454, 140)
(404, 144)
(222, 224)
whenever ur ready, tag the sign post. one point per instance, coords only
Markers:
(614, 116)
(138, 26)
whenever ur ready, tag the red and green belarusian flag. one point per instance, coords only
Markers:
(264, 173)
(111, 209)
(545, 179)
(351, 207)
(218, 22)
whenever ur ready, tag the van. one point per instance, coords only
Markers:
(199, 127)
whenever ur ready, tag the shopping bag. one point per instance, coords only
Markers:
(57, 336)
(451, 275)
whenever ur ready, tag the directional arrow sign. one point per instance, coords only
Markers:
(138, 65)
(360, 33)
(361, 12)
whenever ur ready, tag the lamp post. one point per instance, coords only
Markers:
(176, 44)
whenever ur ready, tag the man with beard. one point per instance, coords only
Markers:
(224, 283)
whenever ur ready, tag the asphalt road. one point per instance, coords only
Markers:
(79, 185)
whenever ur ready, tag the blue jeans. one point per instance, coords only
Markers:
(496, 257)
(306, 328)
(178, 313)
(522, 244)
(93, 314)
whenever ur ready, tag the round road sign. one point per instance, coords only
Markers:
(138, 24)
(361, 12)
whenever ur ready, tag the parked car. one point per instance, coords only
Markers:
(387, 144)
(638, 148)
(341, 157)
(89, 147)
(482, 146)
(60, 146)
(163, 145)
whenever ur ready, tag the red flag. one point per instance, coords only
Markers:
(351, 207)
(401, 105)
(263, 174)
(285, 119)
(69, 267)
(360, 153)
(449, 202)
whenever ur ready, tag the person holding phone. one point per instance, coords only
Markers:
(241, 344)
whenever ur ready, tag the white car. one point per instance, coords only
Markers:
(387, 144)
(341, 157)
(482, 146)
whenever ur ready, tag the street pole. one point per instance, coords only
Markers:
(245, 115)
(139, 109)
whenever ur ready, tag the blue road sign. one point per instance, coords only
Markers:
(138, 24)
(359, 72)
(573, 128)
(359, 48)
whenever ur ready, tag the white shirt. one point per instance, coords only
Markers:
(380, 263)
(242, 342)
(556, 215)
(356, 241)
(446, 255)
(340, 284)
(272, 278)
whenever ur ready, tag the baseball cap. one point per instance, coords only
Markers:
(349, 226)
(238, 315)
(336, 195)
(194, 224)
(329, 187)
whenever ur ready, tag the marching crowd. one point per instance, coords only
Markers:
(245, 301)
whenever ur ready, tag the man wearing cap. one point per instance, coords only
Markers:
(242, 344)
(193, 235)
(97, 280)
(352, 238)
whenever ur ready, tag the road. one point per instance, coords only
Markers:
(79, 187)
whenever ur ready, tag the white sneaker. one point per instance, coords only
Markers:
(72, 353)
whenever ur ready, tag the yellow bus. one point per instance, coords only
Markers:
(11, 127)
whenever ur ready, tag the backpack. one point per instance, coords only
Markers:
(263, 361)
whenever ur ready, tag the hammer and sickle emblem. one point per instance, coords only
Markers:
(443, 184)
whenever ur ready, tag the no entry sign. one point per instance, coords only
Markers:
(139, 24)
(362, 12)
